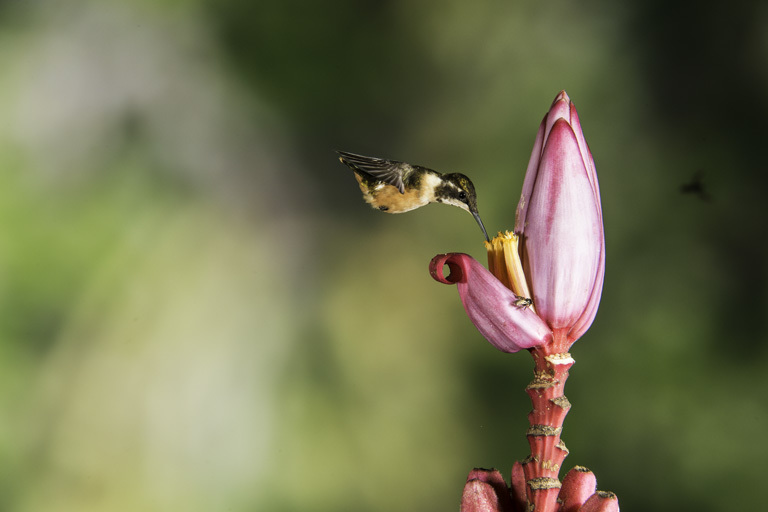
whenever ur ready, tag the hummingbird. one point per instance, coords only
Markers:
(398, 187)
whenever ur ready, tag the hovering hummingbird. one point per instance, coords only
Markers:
(398, 187)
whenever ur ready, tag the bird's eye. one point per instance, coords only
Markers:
(463, 195)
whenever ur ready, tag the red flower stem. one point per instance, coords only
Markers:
(542, 467)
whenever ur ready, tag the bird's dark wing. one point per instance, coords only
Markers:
(388, 171)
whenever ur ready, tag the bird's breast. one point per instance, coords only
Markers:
(388, 198)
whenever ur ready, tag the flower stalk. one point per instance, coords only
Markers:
(541, 292)
(550, 406)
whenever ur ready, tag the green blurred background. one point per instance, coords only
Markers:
(200, 313)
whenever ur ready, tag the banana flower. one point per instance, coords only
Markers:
(544, 280)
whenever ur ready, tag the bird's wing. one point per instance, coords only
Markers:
(388, 171)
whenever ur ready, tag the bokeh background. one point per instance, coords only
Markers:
(199, 313)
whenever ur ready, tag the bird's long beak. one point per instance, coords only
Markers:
(480, 222)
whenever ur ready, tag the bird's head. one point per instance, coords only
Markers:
(456, 189)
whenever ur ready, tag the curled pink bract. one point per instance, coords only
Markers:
(490, 305)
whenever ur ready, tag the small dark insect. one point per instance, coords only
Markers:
(522, 302)
(696, 187)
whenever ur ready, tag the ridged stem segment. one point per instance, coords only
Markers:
(542, 467)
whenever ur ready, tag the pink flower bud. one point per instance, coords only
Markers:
(601, 501)
(518, 488)
(486, 491)
(578, 485)
(559, 221)
(546, 279)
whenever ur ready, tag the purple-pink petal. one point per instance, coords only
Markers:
(563, 232)
(586, 154)
(586, 319)
(530, 179)
(560, 109)
(491, 305)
